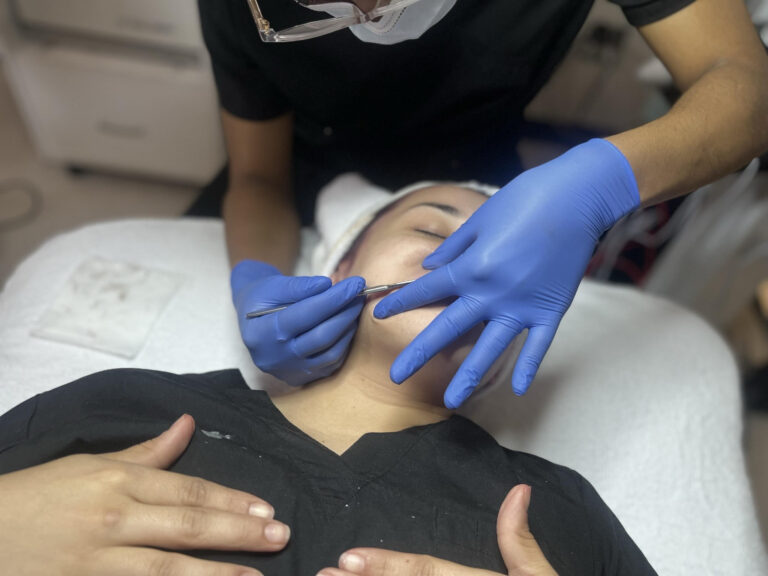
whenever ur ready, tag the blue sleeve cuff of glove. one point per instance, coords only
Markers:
(248, 271)
(621, 193)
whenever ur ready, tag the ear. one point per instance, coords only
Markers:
(342, 269)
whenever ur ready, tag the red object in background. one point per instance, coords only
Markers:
(636, 260)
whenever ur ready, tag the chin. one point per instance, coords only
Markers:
(396, 332)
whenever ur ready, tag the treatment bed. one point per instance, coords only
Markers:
(637, 394)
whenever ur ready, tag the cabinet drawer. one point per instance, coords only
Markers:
(172, 24)
(113, 112)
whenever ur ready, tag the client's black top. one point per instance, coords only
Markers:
(431, 490)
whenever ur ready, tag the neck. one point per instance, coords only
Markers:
(360, 399)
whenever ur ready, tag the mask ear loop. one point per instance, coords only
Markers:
(385, 22)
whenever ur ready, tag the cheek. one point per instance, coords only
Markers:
(395, 261)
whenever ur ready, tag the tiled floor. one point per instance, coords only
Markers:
(61, 201)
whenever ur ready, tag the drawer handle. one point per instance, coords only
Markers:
(126, 131)
(145, 26)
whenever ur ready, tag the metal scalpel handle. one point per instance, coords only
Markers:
(365, 292)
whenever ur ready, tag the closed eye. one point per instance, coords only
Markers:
(432, 234)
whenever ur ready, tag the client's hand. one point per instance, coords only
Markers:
(309, 339)
(91, 515)
(521, 553)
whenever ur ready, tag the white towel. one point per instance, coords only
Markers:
(108, 305)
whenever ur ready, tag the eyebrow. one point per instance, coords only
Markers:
(447, 208)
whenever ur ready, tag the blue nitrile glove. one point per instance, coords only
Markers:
(516, 264)
(309, 339)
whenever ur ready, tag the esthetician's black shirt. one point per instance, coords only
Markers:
(445, 106)
(433, 489)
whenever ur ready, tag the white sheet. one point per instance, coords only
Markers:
(638, 395)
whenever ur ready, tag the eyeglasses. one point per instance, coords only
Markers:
(326, 25)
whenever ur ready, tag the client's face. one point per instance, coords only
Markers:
(393, 249)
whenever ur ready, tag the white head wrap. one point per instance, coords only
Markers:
(348, 204)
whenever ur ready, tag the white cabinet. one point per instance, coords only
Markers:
(167, 23)
(116, 85)
(120, 114)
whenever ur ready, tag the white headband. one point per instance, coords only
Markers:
(349, 204)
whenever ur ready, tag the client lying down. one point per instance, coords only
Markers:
(349, 461)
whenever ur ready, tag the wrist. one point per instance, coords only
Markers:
(614, 193)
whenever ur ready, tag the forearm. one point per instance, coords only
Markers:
(718, 125)
(261, 225)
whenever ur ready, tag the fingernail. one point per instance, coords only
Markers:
(523, 496)
(407, 365)
(277, 533)
(397, 373)
(380, 312)
(401, 372)
(356, 286)
(320, 282)
(352, 563)
(521, 389)
(457, 400)
(261, 510)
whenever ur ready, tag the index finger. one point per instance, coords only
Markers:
(433, 287)
(305, 314)
(161, 488)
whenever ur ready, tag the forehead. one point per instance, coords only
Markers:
(418, 207)
(464, 200)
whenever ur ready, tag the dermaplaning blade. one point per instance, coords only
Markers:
(364, 292)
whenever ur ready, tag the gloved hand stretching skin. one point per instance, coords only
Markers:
(308, 340)
(516, 263)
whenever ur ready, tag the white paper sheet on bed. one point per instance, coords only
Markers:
(638, 395)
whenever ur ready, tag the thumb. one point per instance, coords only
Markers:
(161, 451)
(521, 553)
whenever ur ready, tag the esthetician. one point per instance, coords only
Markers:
(409, 90)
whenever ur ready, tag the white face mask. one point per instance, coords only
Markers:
(408, 23)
